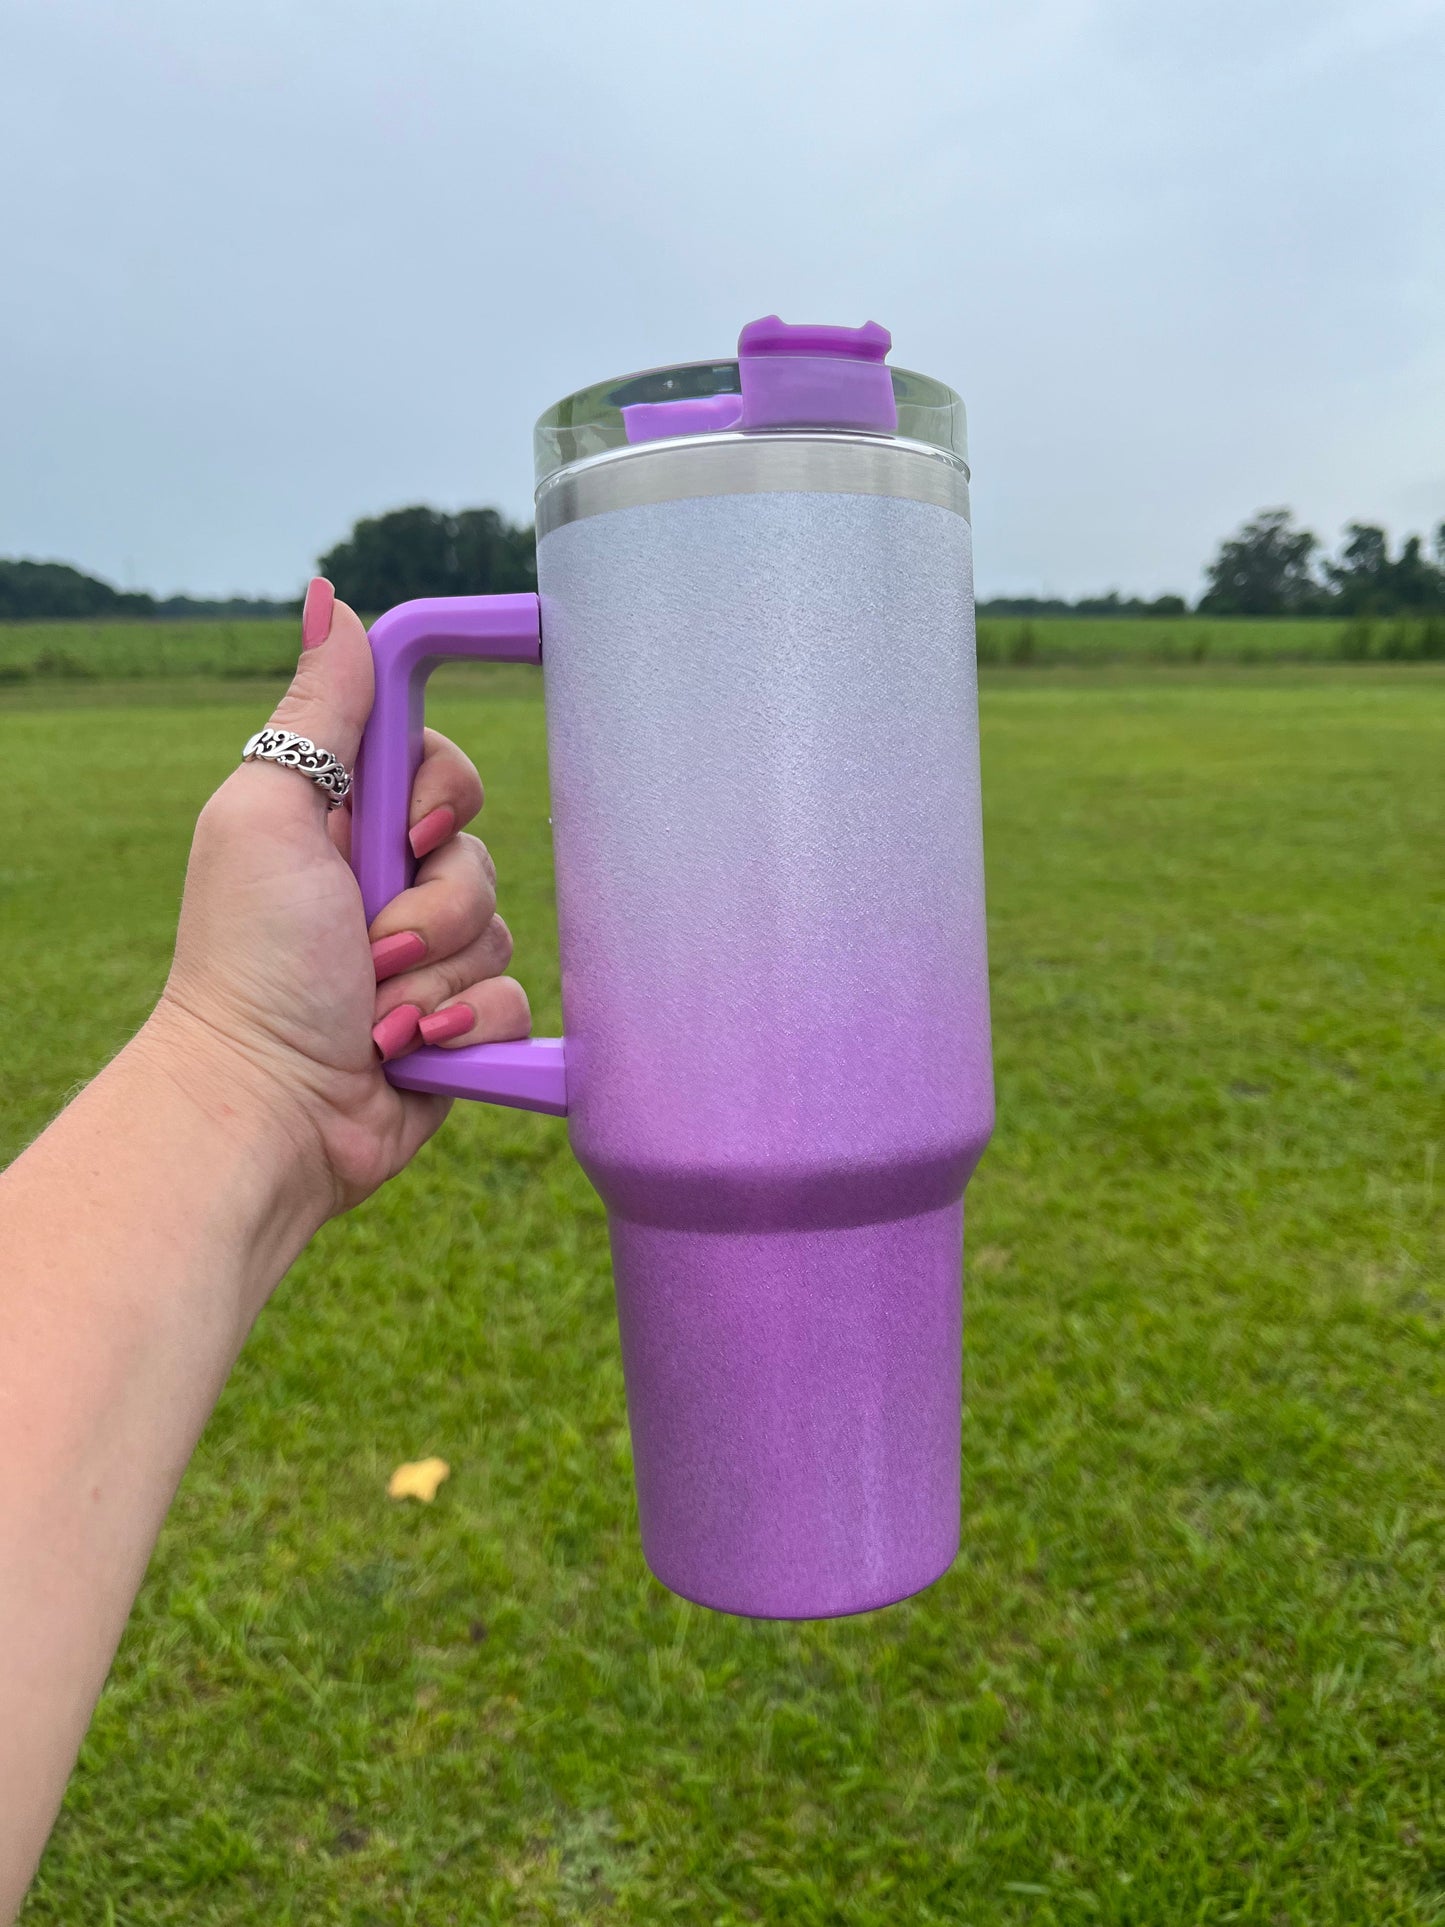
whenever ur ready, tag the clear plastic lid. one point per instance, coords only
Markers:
(785, 378)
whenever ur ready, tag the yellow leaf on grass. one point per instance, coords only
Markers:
(418, 1480)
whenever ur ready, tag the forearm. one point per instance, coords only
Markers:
(138, 1236)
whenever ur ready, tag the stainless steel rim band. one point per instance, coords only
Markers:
(792, 464)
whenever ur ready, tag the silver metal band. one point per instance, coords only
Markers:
(790, 462)
(284, 746)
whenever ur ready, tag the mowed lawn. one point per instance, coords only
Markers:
(1190, 1666)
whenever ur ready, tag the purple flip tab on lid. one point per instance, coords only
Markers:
(791, 377)
(816, 377)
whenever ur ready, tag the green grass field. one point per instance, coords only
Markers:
(49, 652)
(1190, 1666)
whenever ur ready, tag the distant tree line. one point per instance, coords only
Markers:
(385, 559)
(31, 591)
(1273, 568)
(1270, 567)
(1112, 604)
(424, 552)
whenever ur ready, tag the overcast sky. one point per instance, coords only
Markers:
(266, 267)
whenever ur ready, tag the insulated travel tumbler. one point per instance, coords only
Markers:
(755, 628)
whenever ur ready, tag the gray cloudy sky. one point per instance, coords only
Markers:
(272, 264)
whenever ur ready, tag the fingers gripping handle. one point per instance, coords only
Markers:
(407, 643)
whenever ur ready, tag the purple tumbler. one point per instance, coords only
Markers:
(756, 633)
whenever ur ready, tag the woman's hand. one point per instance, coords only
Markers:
(144, 1230)
(279, 996)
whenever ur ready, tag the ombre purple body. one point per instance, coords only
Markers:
(762, 736)
(763, 745)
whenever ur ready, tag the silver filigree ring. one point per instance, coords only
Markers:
(284, 746)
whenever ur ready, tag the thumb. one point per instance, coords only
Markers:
(330, 695)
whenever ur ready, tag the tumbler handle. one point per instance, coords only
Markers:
(407, 643)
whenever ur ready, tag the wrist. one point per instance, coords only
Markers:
(266, 1173)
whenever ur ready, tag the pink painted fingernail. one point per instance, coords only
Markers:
(433, 830)
(316, 612)
(443, 1025)
(391, 954)
(395, 1031)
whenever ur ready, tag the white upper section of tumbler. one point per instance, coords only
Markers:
(591, 422)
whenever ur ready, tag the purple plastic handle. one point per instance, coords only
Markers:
(407, 643)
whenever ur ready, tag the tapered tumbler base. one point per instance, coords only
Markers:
(795, 1403)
